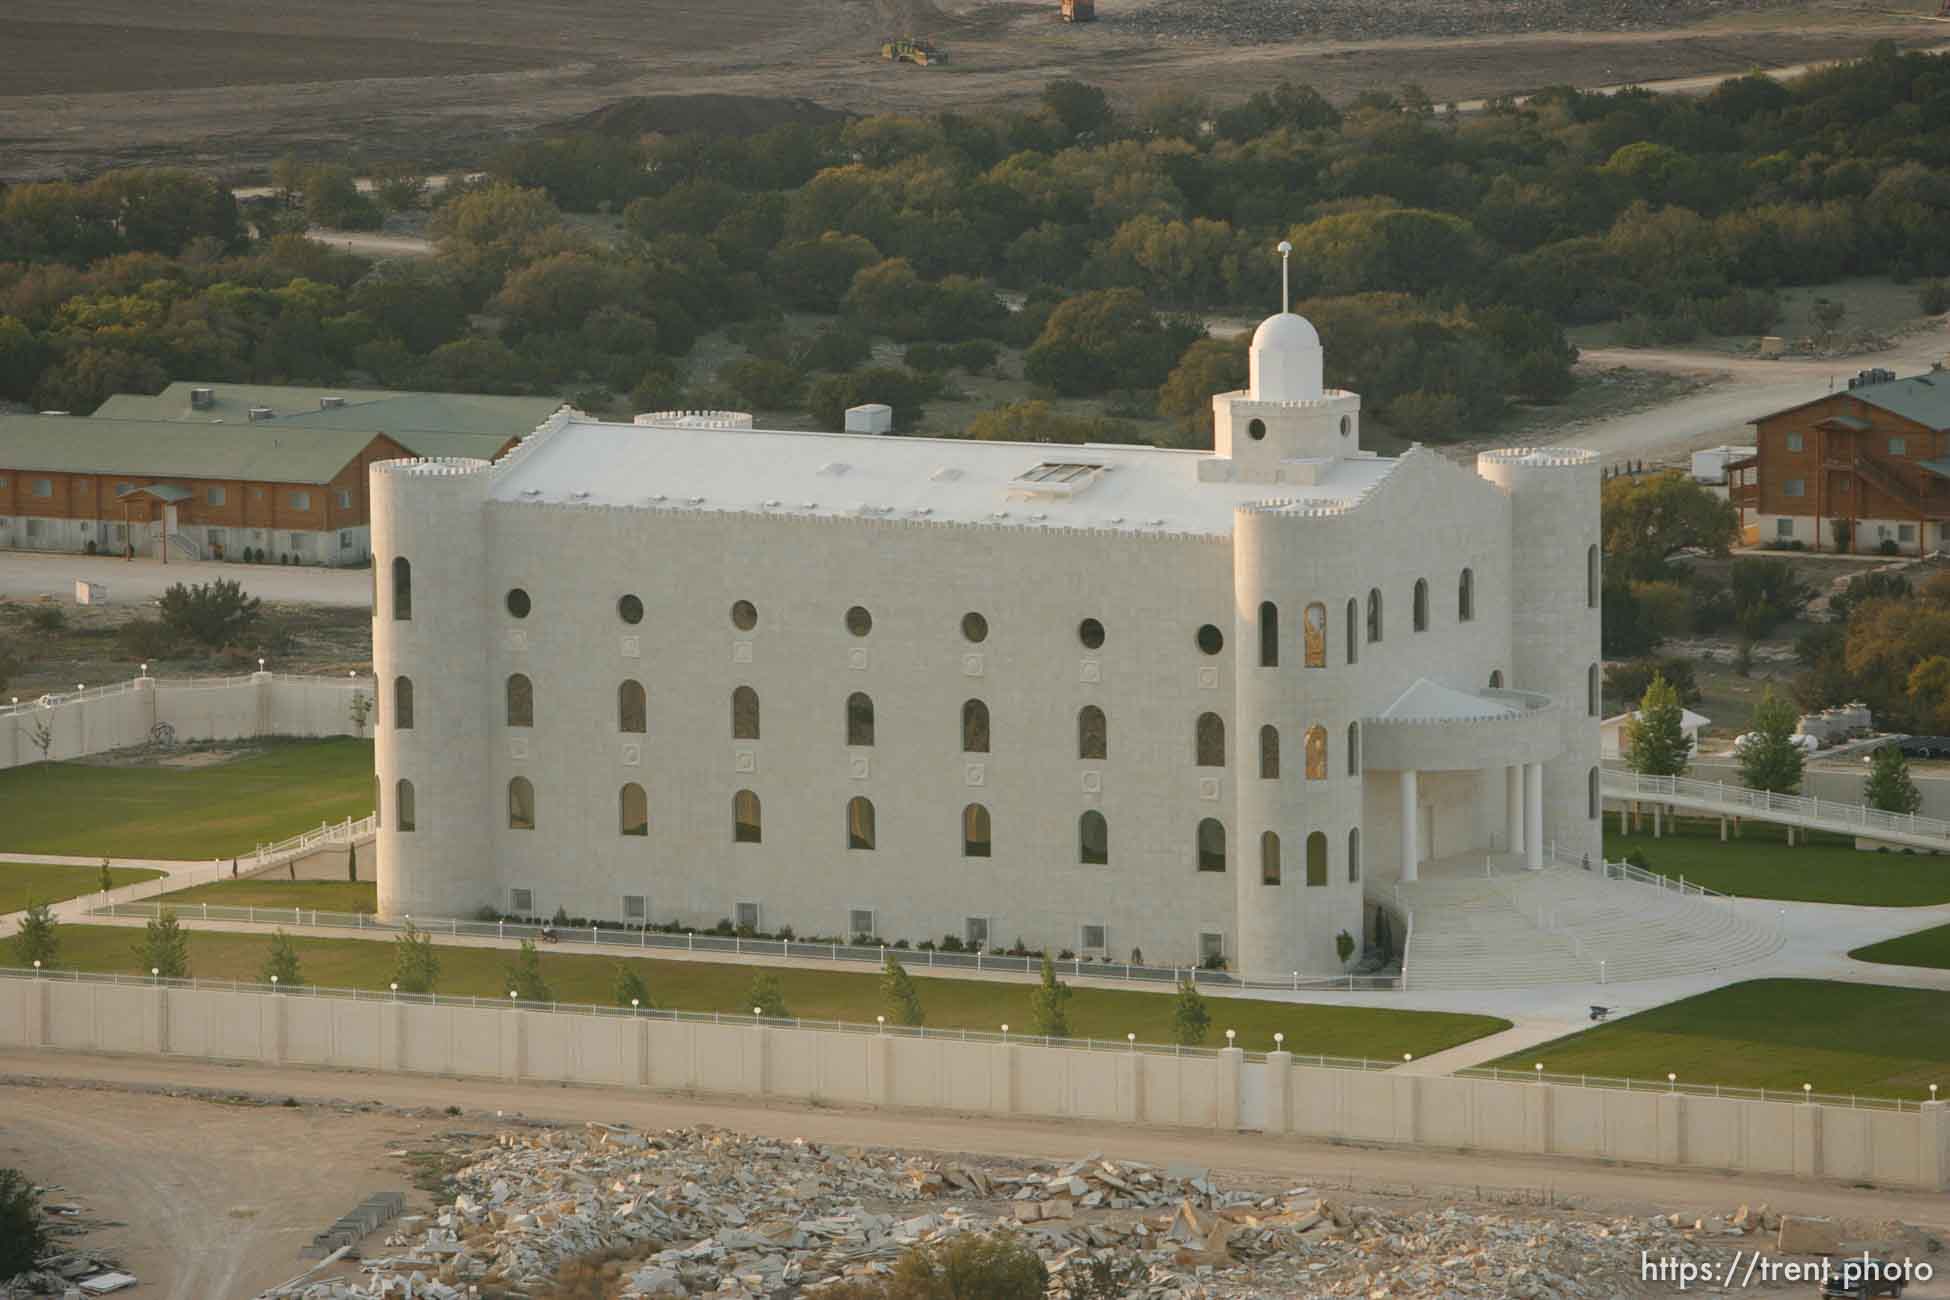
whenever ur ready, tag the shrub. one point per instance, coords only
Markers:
(630, 988)
(1191, 1019)
(416, 967)
(88, 547)
(145, 638)
(976, 356)
(1887, 546)
(47, 618)
(768, 996)
(524, 975)
(165, 949)
(1049, 1013)
(930, 357)
(215, 614)
(898, 995)
(38, 938)
(1933, 297)
(970, 1267)
(281, 961)
(23, 1232)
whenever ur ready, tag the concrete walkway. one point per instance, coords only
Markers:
(45, 573)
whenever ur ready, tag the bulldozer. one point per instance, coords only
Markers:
(917, 50)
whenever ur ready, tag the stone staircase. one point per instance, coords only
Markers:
(1563, 925)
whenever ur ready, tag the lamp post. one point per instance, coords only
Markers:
(155, 973)
(633, 1005)
(1540, 1071)
(1132, 1040)
(1230, 1035)
(882, 1022)
(1279, 1042)
(1808, 1092)
(37, 975)
(1672, 1082)
(260, 664)
(1005, 1033)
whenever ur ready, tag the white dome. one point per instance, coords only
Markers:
(1286, 360)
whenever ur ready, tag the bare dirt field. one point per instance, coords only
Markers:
(232, 84)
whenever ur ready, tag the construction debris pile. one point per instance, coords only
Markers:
(1249, 21)
(68, 1269)
(705, 1212)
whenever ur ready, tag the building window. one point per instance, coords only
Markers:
(1209, 741)
(974, 628)
(403, 703)
(1269, 753)
(345, 540)
(405, 815)
(859, 822)
(1466, 597)
(1091, 633)
(1794, 442)
(1354, 856)
(345, 499)
(402, 588)
(1317, 859)
(1354, 749)
(521, 700)
(974, 727)
(630, 609)
(1419, 607)
(1269, 858)
(1591, 794)
(1093, 839)
(861, 925)
(1591, 690)
(633, 810)
(518, 602)
(975, 933)
(33, 528)
(744, 615)
(859, 718)
(1784, 527)
(1093, 936)
(300, 500)
(635, 907)
(521, 902)
(1496, 679)
(1905, 532)
(213, 496)
(975, 831)
(747, 826)
(40, 487)
(1269, 634)
(1795, 487)
(1093, 732)
(1316, 752)
(1211, 845)
(744, 714)
(858, 621)
(1313, 635)
(1374, 615)
(748, 917)
(1210, 640)
(1353, 631)
(632, 708)
(1591, 577)
(1211, 946)
(1255, 429)
(521, 804)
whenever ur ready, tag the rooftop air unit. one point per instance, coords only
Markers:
(202, 399)
(330, 403)
(260, 413)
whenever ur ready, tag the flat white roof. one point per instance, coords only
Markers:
(880, 476)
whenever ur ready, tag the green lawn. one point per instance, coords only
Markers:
(1842, 1038)
(270, 891)
(1924, 948)
(1827, 869)
(814, 994)
(198, 812)
(22, 883)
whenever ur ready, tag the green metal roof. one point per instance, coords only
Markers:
(149, 449)
(372, 410)
(1922, 398)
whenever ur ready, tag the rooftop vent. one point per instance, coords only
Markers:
(1873, 376)
(261, 413)
(331, 403)
(873, 417)
(835, 468)
(202, 399)
(946, 474)
(1056, 479)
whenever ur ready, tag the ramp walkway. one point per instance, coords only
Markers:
(1717, 799)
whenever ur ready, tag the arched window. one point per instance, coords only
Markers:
(1269, 858)
(1591, 692)
(1316, 753)
(518, 602)
(1209, 639)
(521, 700)
(402, 589)
(1093, 732)
(1466, 597)
(1591, 796)
(744, 714)
(403, 703)
(1269, 634)
(747, 818)
(1269, 753)
(1211, 845)
(404, 813)
(859, 822)
(974, 831)
(629, 608)
(859, 718)
(1313, 635)
(859, 621)
(1591, 577)
(1353, 622)
(1317, 858)
(1496, 679)
(1374, 615)
(1210, 741)
(632, 810)
(1354, 856)
(521, 805)
(632, 708)
(1093, 839)
(974, 727)
(744, 615)
(1354, 749)
(1419, 609)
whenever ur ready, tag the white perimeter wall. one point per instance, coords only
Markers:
(1223, 1090)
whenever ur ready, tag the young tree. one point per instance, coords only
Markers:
(216, 613)
(1191, 1019)
(165, 948)
(416, 968)
(43, 737)
(629, 988)
(352, 863)
(525, 975)
(1655, 739)
(37, 939)
(768, 996)
(357, 710)
(23, 1232)
(898, 994)
(281, 962)
(1888, 786)
(1771, 760)
(1049, 1005)
(108, 877)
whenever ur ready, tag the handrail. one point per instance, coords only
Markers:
(345, 832)
(109, 690)
(1811, 807)
(1638, 876)
(1728, 1091)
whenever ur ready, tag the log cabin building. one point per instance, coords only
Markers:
(1863, 470)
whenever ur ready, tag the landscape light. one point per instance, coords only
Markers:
(1279, 1042)
(155, 972)
(145, 670)
(1808, 1091)
(1132, 1040)
(757, 1011)
(37, 970)
(274, 979)
(1407, 1057)
(1672, 1081)
(1230, 1033)
(1932, 1086)
(260, 665)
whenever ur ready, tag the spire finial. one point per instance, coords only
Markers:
(1286, 251)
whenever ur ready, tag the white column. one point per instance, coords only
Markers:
(1411, 851)
(1513, 808)
(1533, 815)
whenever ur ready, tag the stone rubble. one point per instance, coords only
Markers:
(1252, 21)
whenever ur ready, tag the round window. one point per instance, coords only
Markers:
(859, 621)
(630, 609)
(744, 615)
(518, 602)
(1347, 425)
(1211, 640)
(1091, 633)
(974, 627)
(1257, 430)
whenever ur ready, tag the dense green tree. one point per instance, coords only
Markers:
(1103, 340)
(165, 947)
(1648, 519)
(1191, 1019)
(1654, 740)
(215, 613)
(1770, 760)
(768, 996)
(416, 966)
(24, 1236)
(281, 961)
(898, 997)
(628, 987)
(1888, 786)
(86, 377)
(38, 937)
(1038, 421)
(1049, 1005)
(906, 391)
(524, 975)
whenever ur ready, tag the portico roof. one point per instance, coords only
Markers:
(168, 492)
(1427, 701)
